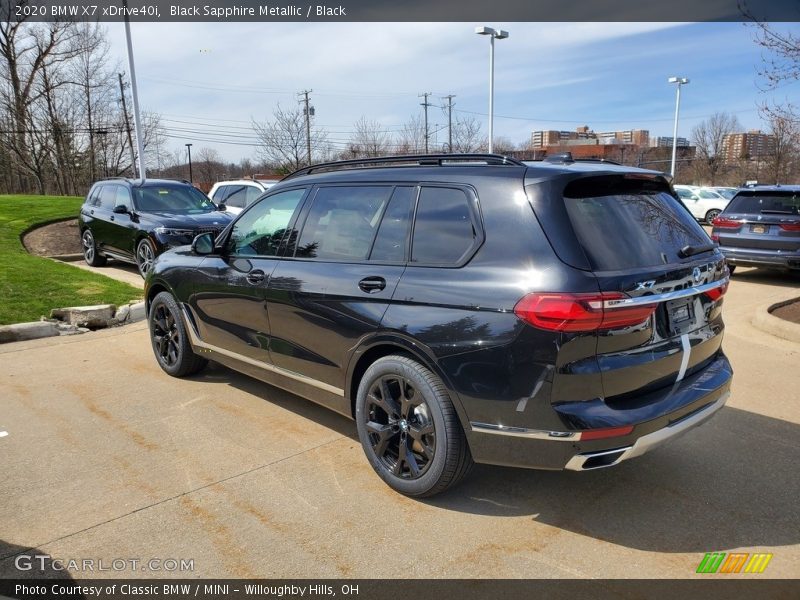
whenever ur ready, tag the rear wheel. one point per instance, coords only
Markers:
(731, 269)
(169, 340)
(711, 215)
(145, 255)
(409, 429)
(90, 255)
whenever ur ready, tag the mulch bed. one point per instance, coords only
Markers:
(54, 240)
(790, 312)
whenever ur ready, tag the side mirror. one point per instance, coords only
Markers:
(120, 209)
(221, 207)
(203, 244)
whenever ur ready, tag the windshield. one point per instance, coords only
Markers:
(775, 202)
(182, 199)
(726, 193)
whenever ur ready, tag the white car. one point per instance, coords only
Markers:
(705, 204)
(238, 194)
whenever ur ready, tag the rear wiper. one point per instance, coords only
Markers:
(687, 251)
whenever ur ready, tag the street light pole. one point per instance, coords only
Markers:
(189, 149)
(680, 81)
(494, 34)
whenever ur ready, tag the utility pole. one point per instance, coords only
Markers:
(308, 111)
(425, 104)
(137, 117)
(127, 123)
(449, 99)
(189, 150)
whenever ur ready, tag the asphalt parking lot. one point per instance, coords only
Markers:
(108, 458)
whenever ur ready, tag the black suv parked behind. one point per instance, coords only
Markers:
(134, 221)
(555, 314)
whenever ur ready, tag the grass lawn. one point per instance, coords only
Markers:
(30, 285)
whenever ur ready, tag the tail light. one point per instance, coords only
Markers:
(790, 226)
(609, 432)
(715, 237)
(725, 223)
(580, 312)
(717, 293)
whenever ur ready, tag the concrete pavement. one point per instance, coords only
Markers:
(107, 457)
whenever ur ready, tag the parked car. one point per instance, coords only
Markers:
(462, 308)
(704, 203)
(725, 192)
(761, 228)
(238, 194)
(135, 221)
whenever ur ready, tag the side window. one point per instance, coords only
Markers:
(252, 195)
(94, 196)
(443, 229)
(221, 193)
(236, 196)
(260, 231)
(122, 197)
(342, 222)
(108, 196)
(390, 243)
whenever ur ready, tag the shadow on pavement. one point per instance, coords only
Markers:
(771, 277)
(19, 562)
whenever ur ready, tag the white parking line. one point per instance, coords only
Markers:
(3, 433)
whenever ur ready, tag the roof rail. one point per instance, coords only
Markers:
(566, 157)
(420, 159)
(600, 160)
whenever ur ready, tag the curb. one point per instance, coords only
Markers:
(769, 323)
(75, 321)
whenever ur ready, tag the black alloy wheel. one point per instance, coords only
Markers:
(169, 339)
(409, 429)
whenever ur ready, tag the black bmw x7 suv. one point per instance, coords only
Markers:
(462, 308)
(134, 221)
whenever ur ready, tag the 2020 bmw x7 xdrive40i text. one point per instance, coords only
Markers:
(462, 308)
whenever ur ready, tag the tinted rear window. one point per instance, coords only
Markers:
(624, 224)
(756, 203)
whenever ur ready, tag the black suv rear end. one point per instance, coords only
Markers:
(761, 228)
(561, 315)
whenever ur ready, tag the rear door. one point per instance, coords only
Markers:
(339, 275)
(654, 265)
(102, 229)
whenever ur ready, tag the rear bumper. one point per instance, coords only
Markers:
(682, 407)
(749, 257)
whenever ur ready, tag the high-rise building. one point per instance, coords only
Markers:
(661, 141)
(752, 144)
(584, 135)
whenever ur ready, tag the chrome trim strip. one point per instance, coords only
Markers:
(257, 363)
(687, 352)
(536, 434)
(651, 440)
(663, 297)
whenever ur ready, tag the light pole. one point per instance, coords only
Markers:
(680, 81)
(494, 34)
(189, 150)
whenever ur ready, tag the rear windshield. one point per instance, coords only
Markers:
(625, 224)
(765, 202)
(182, 199)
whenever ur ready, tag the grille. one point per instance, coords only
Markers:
(212, 230)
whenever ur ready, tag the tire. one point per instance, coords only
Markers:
(169, 339)
(731, 269)
(145, 255)
(413, 440)
(711, 215)
(90, 254)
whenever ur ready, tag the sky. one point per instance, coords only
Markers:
(209, 80)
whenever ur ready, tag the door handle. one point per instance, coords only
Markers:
(112, 217)
(256, 276)
(91, 212)
(372, 284)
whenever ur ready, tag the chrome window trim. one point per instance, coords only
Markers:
(664, 296)
(537, 434)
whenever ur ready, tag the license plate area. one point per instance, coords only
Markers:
(680, 315)
(759, 228)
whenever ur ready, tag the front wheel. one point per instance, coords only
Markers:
(145, 255)
(90, 255)
(711, 215)
(409, 429)
(169, 340)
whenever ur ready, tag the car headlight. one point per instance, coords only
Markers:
(172, 231)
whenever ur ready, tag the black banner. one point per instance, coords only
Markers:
(714, 587)
(399, 10)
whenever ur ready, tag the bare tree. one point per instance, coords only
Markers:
(467, 135)
(782, 162)
(283, 139)
(709, 137)
(369, 139)
(780, 62)
(208, 166)
(411, 139)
